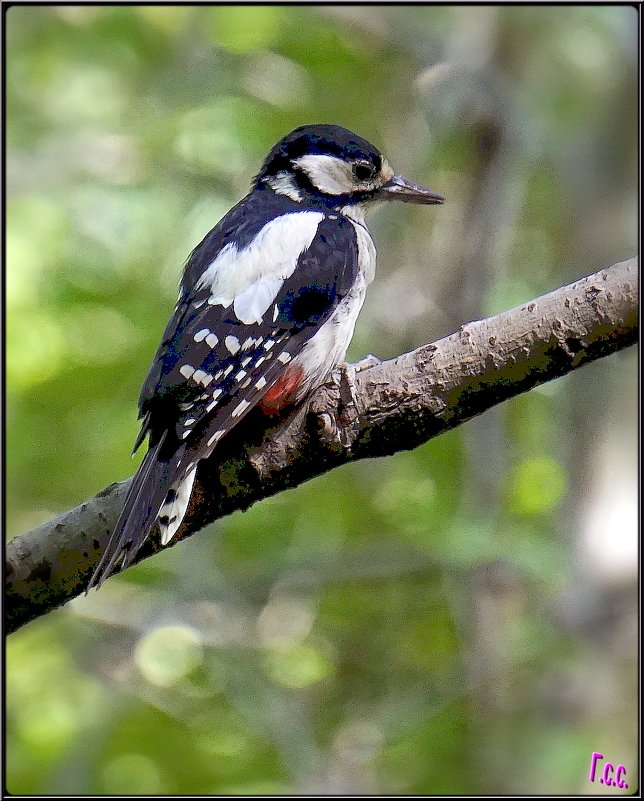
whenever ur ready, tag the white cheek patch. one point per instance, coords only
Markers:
(329, 174)
(252, 304)
(270, 257)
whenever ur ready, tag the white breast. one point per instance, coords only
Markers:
(328, 347)
(366, 248)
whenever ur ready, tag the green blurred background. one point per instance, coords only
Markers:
(458, 619)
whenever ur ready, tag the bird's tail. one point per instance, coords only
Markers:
(151, 494)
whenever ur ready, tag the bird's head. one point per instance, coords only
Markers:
(330, 165)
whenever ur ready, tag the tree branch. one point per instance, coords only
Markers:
(396, 405)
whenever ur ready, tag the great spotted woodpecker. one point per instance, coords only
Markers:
(267, 307)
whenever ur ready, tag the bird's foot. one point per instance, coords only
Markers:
(336, 430)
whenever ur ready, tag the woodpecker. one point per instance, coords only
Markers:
(267, 306)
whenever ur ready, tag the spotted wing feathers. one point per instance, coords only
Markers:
(223, 350)
(212, 364)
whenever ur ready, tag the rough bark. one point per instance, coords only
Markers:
(391, 406)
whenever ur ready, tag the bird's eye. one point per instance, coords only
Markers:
(363, 171)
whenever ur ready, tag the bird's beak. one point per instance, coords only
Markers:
(398, 188)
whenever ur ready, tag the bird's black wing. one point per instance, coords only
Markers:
(213, 367)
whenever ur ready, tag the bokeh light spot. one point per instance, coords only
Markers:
(167, 654)
(132, 774)
(537, 485)
(298, 667)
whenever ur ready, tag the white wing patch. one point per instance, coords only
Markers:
(271, 256)
(251, 305)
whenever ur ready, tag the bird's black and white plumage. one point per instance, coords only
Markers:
(267, 307)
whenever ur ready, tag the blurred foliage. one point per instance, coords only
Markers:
(459, 619)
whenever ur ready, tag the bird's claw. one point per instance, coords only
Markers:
(336, 430)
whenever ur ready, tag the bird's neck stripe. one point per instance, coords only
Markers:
(355, 212)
